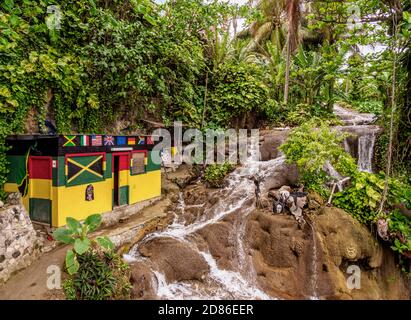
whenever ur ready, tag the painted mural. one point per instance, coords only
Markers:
(79, 175)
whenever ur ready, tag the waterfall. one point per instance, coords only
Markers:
(365, 151)
(237, 197)
(314, 266)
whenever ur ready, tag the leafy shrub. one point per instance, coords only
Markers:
(238, 88)
(297, 114)
(102, 275)
(95, 271)
(398, 223)
(215, 173)
(311, 148)
(361, 199)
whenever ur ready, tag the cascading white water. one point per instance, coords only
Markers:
(360, 124)
(365, 151)
(351, 117)
(237, 197)
(314, 266)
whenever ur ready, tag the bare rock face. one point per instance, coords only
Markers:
(270, 144)
(281, 255)
(142, 280)
(177, 260)
(299, 264)
(345, 242)
(217, 239)
(285, 174)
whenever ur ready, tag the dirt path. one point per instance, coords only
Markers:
(31, 283)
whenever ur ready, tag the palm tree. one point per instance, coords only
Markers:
(293, 19)
(279, 27)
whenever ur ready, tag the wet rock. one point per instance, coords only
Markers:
(183, 176)
(285, 174)
(216, 239)
(280, 253)
(142, 280)
(270, 144)
(177, 260)
(315, 201)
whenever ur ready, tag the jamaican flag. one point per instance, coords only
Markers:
(22, 174)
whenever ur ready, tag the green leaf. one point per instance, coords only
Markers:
(105, 242)
(73, 225)
(81, 246)
(93, 222)
(8, 4)
(63, 235)
(72, 264)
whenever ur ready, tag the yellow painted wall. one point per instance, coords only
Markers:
(72, 201)
(123, 178)
(40, 189)
(11, 187)
(145, 186)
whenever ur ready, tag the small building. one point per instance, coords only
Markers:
(62, 176)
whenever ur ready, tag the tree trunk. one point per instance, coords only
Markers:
(287, 70)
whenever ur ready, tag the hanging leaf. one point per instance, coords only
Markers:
(73, 225)
(81, 246)
(63, 235)
(105, 242)
(93, 222)
(72, 264)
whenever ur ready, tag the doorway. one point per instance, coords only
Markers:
(121, 169)
(116, 178)
(40, 186)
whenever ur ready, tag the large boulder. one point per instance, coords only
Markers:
(175, 259)
(284, 174)
(298, 264)
(281, 254)
(143, 281)
(345, 242)
(270, 144)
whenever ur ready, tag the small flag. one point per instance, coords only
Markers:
(150, 140)
(108, 141)
(121, 141)
(96, 141)
(131, 141)
(84, 140)
(69, 141)
(141, 140)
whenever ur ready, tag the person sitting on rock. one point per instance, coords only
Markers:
(280, 199)
(278, 207)
(296, 202)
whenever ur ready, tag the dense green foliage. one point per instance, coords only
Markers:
(214, 174)
(108, 65)
(102, 275)
(312, 148)
(238, 90)
(95, 271)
